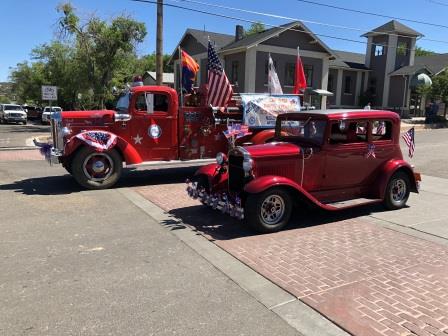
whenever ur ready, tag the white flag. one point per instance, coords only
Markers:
(274, 86)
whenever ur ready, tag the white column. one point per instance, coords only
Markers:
(358, 87)
(325, 71)
(339, 87)
(390, 66)
(366, 81)
(250, 70)
(412, 52)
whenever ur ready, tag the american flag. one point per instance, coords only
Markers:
(100, 140)
(371, 151)
(408, 137)
(219, 88)
(380, 129)
(237, 131)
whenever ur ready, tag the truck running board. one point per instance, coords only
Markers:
(351, 203)
(173, 163)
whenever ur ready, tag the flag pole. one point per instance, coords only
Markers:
(180, 78)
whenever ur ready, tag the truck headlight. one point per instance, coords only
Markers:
(248, 164)
(66, 131)
(221, 158)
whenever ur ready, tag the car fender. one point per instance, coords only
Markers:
(129, 153)
(391, 167)
(263, 183)
(262, 137)
(216, 174)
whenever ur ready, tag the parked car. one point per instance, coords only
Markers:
(33, 112)
(48, 112)
(334, 160)
(12, 113)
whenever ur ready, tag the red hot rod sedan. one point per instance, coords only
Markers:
(334, 159)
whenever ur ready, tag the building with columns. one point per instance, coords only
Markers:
(382, 76)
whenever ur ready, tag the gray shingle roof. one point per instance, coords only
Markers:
(202, 37)
(348, 60)
(394, 27)
(435, 63)
(409, 70)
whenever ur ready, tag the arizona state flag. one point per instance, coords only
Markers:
(189, 70)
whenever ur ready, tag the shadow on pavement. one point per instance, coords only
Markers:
(66, 184)
(217, 226)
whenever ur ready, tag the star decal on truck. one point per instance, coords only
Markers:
(137, 140)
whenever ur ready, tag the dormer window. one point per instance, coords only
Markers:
(402, 49)
(379, 50)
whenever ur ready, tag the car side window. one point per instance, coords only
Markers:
(381, 130)
(346, 132)
(160, 102)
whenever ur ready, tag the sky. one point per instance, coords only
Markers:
(27, 24)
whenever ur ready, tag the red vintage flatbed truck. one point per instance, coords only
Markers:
(148, 126)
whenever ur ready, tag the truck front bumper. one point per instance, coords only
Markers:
(51, 154)
(219, 201)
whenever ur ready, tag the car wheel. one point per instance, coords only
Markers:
(24, 123)
(397, 191)
(268, 211)
(96, 170)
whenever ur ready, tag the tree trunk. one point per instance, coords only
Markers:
(159, 44)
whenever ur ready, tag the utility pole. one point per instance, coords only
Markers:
(159, 44)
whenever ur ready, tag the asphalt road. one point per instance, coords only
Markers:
(13, 135)
(79, 262)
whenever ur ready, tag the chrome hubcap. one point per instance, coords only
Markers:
(272, 209)
(98, 167)
(398, 190)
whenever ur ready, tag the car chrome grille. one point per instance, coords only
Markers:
(15, 115)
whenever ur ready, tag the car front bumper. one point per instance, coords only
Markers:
(219, 201)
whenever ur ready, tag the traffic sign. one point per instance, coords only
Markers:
(49, 92)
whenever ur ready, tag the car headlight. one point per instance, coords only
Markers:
(221, 158)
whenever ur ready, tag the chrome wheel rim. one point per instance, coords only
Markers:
(398, 190)
(272, 209)
(98, 167)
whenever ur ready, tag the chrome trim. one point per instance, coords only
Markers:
(56, 131)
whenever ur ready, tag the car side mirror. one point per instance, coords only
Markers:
(149, 98)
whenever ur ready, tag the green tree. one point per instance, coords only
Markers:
(102, 48)
(439, 89)
(419, 51)
(255, 28)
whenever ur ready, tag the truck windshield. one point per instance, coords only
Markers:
(123, 103)
(307, 129)
(13, 108)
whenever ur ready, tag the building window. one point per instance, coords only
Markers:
(290, 69)
(348, 85)
(402, 49)
(330, 85)
(308, 69)
(379, 50)
(234, 73)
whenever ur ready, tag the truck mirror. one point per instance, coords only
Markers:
(149, 98)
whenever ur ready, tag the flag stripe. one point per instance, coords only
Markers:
(219, 88)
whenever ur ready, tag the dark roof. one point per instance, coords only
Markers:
(349, 60)
(203, 36)
(435, 63)
(394, 27)
(409, 70)
(261, 36)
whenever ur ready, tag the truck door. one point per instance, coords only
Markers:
(154, 126)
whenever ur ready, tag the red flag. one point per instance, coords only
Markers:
(299, 77)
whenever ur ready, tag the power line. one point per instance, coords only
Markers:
(438, 3)
(266, 24)
(298, 19)
(373, 14)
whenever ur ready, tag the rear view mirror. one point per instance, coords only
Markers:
(149, 98)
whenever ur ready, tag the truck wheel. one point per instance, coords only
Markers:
(397, 191)
(96, 170)
(268, 211)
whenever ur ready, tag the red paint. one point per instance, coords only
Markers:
(332, 172)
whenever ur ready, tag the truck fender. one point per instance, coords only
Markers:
(262, 137)
(263, 183)
(129, 153)
(216, 175)
(390, 168)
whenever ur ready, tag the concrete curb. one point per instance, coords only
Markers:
(297, 314)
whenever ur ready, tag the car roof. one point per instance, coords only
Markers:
(336, 114)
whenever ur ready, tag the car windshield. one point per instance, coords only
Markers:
(301, 129)
(13, 108)
(123, 103)
(56, 109)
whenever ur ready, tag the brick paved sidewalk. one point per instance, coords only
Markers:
(367, 279)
